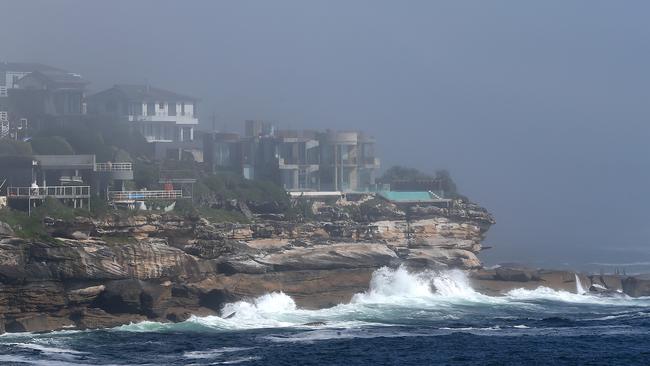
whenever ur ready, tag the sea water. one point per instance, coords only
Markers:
(403, 319)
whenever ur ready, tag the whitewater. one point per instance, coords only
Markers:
(404, 317)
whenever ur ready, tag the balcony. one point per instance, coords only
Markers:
(117, 171)
(113, 167)
(178, 119)
(132, 196)
(370, 162)
(59, 192)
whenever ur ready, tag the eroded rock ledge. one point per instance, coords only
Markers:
(99, 273)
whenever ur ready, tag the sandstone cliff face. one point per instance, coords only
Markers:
(96, 273)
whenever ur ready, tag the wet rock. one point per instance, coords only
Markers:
(516, 274)
(315, 324)
(37, 323)
(637, 286)
(93, 318)
(603, 291)
(134, 297)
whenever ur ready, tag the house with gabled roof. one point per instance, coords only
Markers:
(160, 115)
(10, 75)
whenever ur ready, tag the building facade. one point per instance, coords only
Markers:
(165, 118)
(36, 94)
(297, 160)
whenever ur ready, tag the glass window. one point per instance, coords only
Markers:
(151, 109)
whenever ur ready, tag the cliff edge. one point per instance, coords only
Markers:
(91, 273)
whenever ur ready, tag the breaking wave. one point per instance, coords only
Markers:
(395, 297)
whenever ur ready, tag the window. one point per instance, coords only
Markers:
(3, 116)
(151, 109)
(172, 109)
(161, 105)
(182, 109)
(14, 80)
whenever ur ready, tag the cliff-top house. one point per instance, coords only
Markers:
(38, 95)
(298, 160)
(165, 118)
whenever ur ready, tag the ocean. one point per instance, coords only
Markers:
(429, 318)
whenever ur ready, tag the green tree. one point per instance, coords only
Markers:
(15, 148)
(398, 172)
(54, 145)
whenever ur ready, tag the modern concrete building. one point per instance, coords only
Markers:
(347, 161)
(222, 151)
(298, 154)
(259, 128)
(298, 160)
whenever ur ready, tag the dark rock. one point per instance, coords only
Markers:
(93, 318)
(133, 296)
(315, 324)
(516, 274)
(602, 291)
(637, 286)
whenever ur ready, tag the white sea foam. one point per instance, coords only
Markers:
(400, 287)
(579, 289)
(24, 360)
(213, 353)
(394, 297)
(47, 349)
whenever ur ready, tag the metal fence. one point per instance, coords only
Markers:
(113, 167)
(144, 195)
(51, 191)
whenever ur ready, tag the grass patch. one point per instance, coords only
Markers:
(221, 215)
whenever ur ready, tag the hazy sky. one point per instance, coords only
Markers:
(540, 110)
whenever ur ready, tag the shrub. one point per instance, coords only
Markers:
(15, 148)
(54, 145)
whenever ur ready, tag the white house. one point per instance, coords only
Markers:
(160, 115)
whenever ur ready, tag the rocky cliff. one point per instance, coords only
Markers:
(95, 273)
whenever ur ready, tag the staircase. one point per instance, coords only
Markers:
(4, 127)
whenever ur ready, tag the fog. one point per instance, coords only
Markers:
(540, 110)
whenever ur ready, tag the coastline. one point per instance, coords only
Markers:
(166, 268)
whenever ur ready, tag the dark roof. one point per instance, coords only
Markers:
(55, 76)
(146, 93)
(25, 67)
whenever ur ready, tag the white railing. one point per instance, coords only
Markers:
(113, 167)
(188, 119)
(51, 191)
(144, 195)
